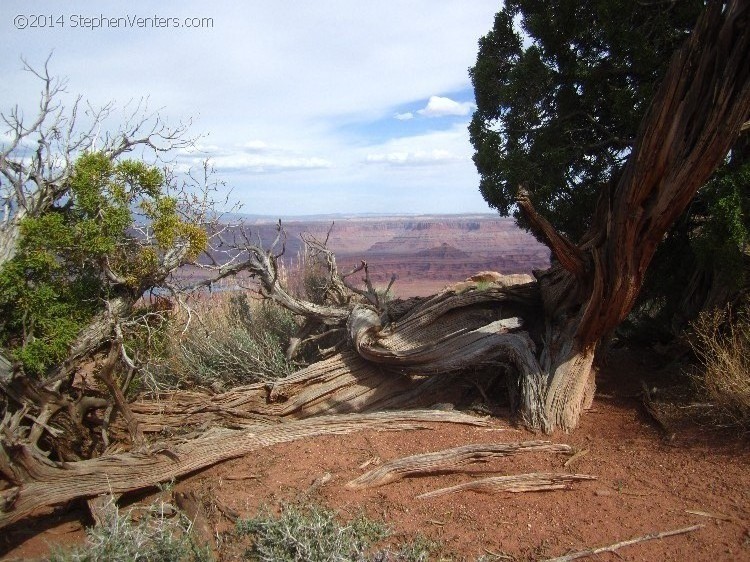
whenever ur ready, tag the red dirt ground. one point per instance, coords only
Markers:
(646, 483)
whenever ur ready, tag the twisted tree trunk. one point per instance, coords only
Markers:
(692, 123)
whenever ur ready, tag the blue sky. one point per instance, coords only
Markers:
(329, 106)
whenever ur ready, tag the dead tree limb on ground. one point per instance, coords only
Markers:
(516, 483)
(448, 461)
(613, 547)
(46, 483)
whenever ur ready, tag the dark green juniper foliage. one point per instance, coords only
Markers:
(703, 261)
(561, 112)
(561, 88)
(57, 281)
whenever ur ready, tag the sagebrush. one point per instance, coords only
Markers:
(154, 537)
(313, 533)
(232, 340)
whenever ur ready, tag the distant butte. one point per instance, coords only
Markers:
(424, 252)
(444, 251)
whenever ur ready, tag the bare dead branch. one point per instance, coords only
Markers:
(48, 484)
(567, 253)
(533, 482)
(613, 547)
(448, 461)
(105, 375)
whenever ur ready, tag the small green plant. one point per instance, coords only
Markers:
(312, 533)
(484, 285)
(153, 538)
(309, 533)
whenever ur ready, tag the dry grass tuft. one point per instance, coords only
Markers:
(721, 340)
(232, 340)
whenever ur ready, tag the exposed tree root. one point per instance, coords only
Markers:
(448, 460)
(46, 483)
(533, 482)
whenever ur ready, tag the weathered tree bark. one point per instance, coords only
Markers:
(516, 483)
(692, 123)
(45, 483)
(448, 461)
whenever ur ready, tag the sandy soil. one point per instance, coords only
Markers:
(647, 482)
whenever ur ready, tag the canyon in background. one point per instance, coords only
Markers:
(425, 252)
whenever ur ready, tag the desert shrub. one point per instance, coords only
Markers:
(309, 533)
(309, 277)
(315, 282)
(312, 533)
(236, 341)
(721, 340)
(154, 537)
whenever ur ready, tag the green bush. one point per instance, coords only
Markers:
(60, 274)
(311, 533)
(300, 533)
(308, 534)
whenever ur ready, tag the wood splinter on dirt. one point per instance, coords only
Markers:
(575, 458)
(532, 482)
(614, 547)
(448, 461)
(719, 516)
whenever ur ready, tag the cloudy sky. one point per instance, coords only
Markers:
(332, 106)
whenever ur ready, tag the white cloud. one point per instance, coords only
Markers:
(257, 164)
(436, 148)
(404, 116)
(252, 157)
(418, 158)
(255, 146)
(441, 107)
(284, 86)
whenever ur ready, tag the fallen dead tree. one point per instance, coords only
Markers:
(449, 460)
(42, 483)
(412, 363)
